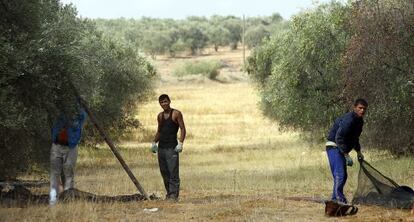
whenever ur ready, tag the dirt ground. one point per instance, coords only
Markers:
(197, 207)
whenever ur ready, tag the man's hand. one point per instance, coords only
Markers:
(348, 159)
(360, 156)
(154, 147)
(179, 147)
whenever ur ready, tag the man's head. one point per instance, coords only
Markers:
(165, 101)
(360, 107)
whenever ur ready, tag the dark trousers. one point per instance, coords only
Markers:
(338, 169)
(168, 161)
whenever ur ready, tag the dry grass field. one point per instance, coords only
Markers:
(236, 164)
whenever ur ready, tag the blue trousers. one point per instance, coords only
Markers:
(338, 169)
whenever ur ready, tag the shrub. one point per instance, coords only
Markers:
(209, 69)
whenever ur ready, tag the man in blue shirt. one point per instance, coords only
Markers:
(343, 137)
(66, 135)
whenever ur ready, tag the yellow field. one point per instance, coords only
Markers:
(236, 164)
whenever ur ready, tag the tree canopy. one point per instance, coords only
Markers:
(193, 34)
(45, 49)
(329, 56)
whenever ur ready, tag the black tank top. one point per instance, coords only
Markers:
(168, 132)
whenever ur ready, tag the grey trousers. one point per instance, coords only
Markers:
(168, 161)
(62, 160)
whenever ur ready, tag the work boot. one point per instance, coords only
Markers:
(171, 198)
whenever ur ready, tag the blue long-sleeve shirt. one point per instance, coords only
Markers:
(345, 132)
(73, 126)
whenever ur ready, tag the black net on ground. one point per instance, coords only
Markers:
(19, 196)
(376, 189)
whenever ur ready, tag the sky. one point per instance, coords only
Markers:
(180, 9)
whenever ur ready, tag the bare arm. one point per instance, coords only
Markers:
(180, 121)
(157, 134)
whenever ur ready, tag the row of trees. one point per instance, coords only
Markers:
(159, 36)
(334, 54)
(44, 49)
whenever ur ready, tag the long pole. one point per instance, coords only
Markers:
(110, 144)
(243, 40)
(115, 151)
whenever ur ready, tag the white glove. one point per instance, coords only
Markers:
(154, 147)
(179, 147)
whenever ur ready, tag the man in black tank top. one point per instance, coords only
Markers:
(168, 147)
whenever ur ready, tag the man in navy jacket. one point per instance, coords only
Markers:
(343, 137)
(66, 135)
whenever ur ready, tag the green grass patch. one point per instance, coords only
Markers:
(208, 68)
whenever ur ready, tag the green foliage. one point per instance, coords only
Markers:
(156, 42)
(218, 36)
(194, 38)
(379, 65)
(193, 34)
(234, 25)
(255, 35)
(44, 48)
(177, 46)
(118, 78)
(276, 18)
(332, 55)
(210, 69)
(301, 87)
(260, 61)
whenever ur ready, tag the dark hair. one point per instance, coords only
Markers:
(164, 96)
(360, 101)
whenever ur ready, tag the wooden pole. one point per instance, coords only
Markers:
(109, 142)
(243, 40)
(114, 150)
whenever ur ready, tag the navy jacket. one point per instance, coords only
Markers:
(345, 132)
(74, 127)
